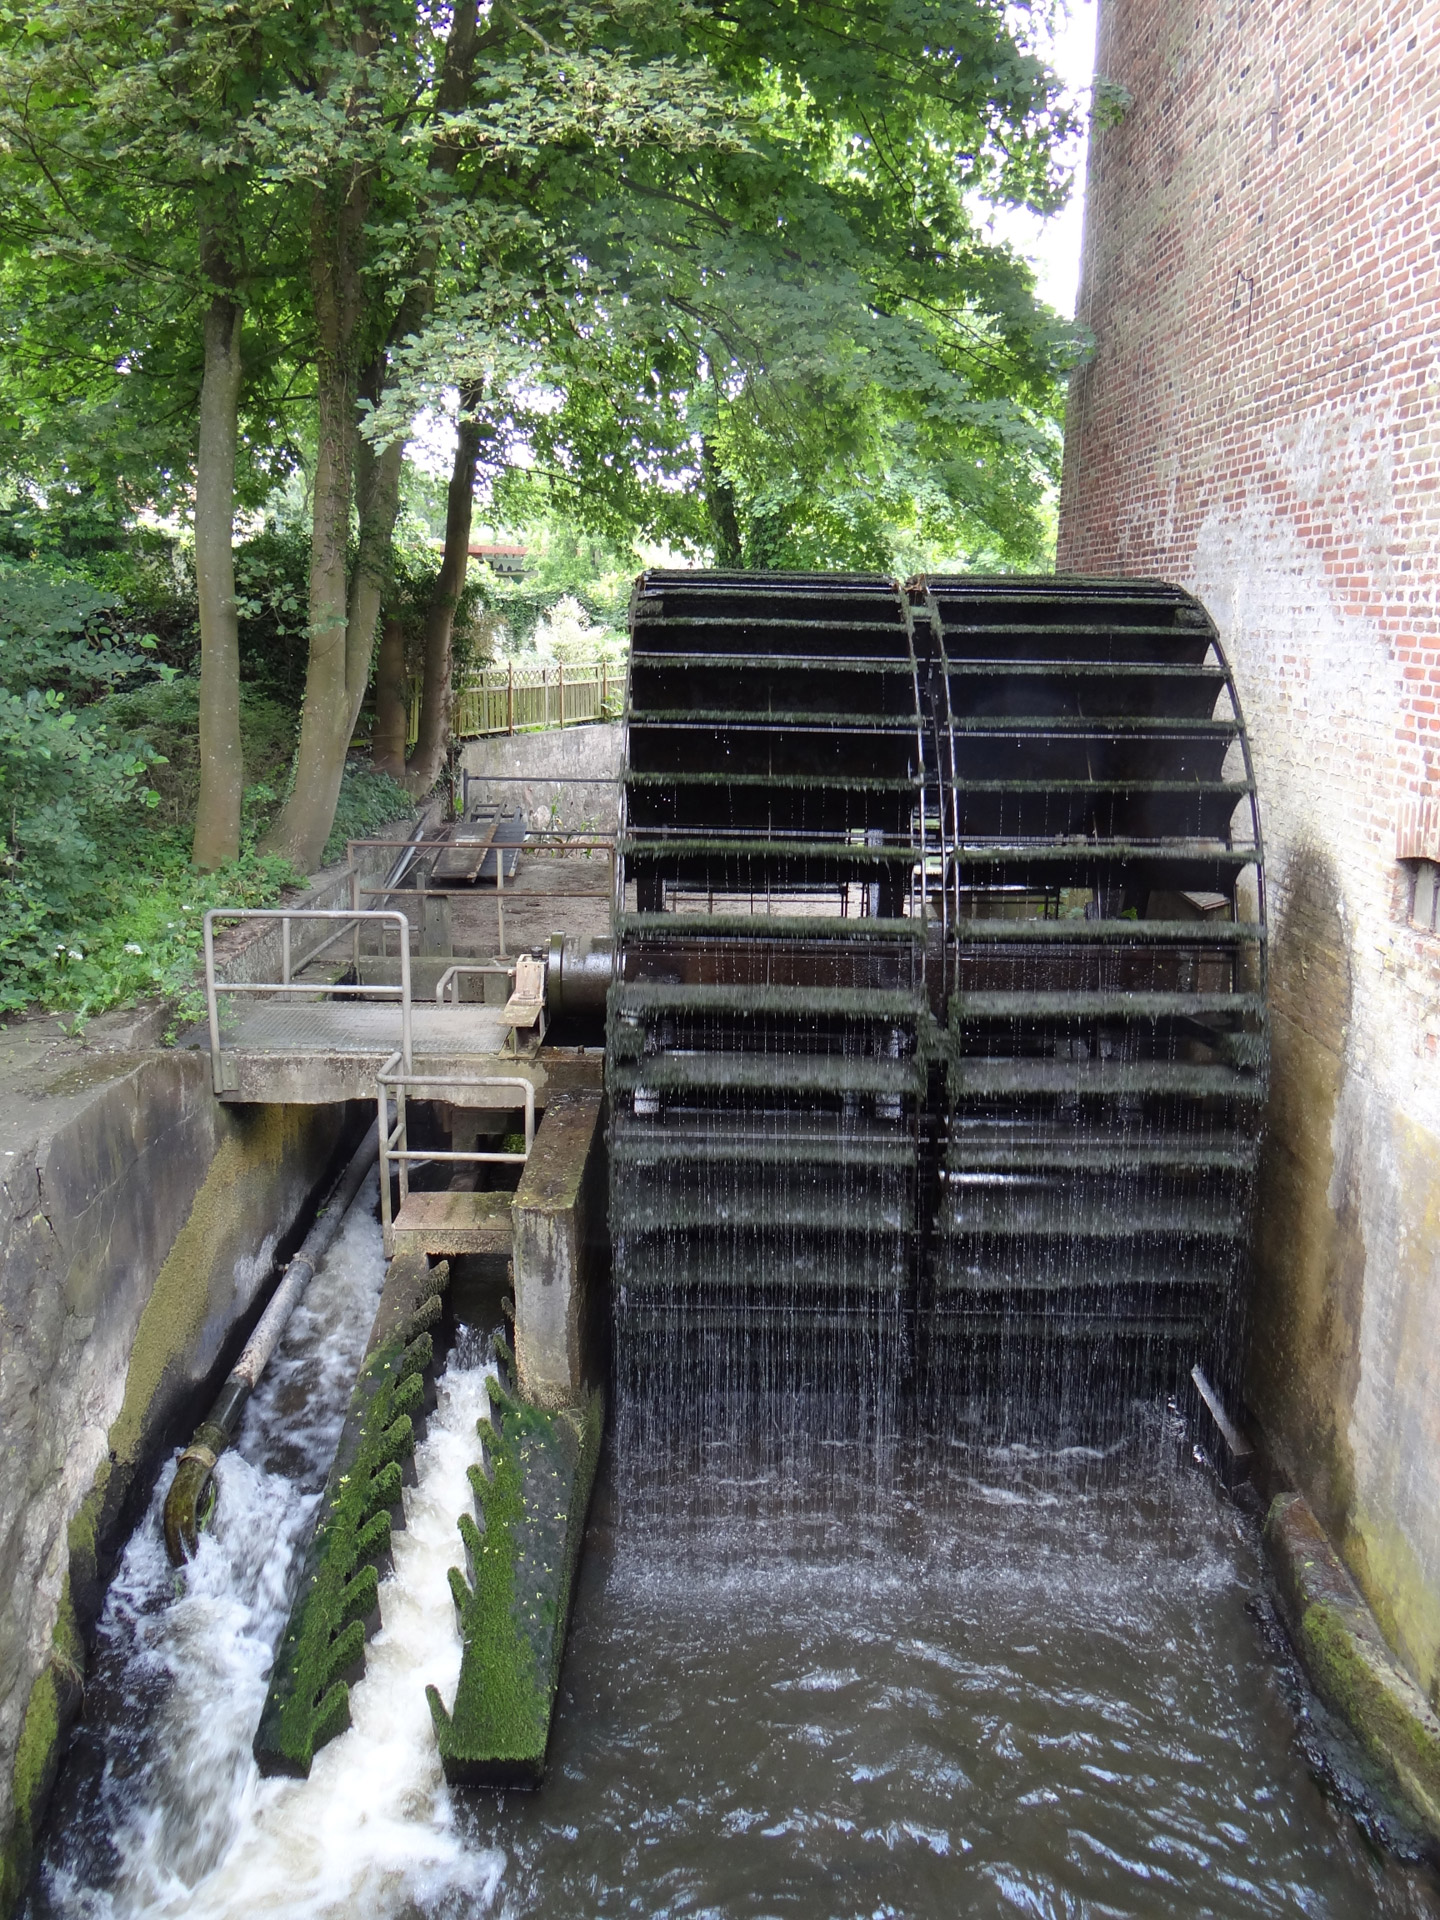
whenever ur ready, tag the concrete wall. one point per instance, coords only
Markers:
(560, 1251)
(1261, 423)
(536, 766)
(138, 1221)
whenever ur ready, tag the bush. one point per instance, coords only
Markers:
(272, 585)
(166, 714)
(99, 777)
(66, 783)
(368, 801)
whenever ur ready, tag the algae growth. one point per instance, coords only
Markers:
(515, 1603)
(322, 1652)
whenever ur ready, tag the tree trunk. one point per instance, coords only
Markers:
(342, 623)
(423, 768)
(222, 771)
(720, 507)
(327, 715)
(392, 707)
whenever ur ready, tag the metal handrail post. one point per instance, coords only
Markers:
(405, 1004)
(382, 1103)
(212, 1004)
(285, 949)
(499, 902)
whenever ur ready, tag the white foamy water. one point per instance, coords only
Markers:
(179, 1821)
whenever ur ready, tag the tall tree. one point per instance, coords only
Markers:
(124, 240)
(808, 349)
(222, 766)
(437, 660)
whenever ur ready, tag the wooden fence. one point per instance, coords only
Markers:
(513, 699)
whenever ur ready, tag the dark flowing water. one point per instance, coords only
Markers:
(971, 1680)
(1036, 1688)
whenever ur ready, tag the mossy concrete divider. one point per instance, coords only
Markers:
(513, 1603)
(322, 1651)
(1347, 1658)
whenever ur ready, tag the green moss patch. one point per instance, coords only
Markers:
(322, 1651)
(53, 1704)
(1363, 1685)
(513, 1602)
(1347, 1659)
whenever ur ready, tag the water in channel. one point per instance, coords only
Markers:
(1030, 1681)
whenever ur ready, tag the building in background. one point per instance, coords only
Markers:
(1260, 422)
(506, 561)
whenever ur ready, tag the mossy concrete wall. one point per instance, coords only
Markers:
(139, 1219)
(1344, 1353)
(1352, 1667)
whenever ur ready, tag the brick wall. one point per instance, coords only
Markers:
(1261, 422)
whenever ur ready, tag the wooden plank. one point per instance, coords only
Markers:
(469, 843)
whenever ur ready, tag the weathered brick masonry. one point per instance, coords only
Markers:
(1261, 422)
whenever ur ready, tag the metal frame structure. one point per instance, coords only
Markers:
(354, 917)
(395, 1149)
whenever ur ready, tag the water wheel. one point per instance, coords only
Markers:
(766, 1065)
(938, 1016)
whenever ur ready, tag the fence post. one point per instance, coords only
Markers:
(510, 703)
(604, 686)
(545, 689)
(560, 674)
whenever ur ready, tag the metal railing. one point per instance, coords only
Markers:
(539, 842)
(513, 699)
(352, 917)
(451, 976)
(395, 1148)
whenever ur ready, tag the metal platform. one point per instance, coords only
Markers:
(454, 1223)
(306, 1041)
(309, 1052)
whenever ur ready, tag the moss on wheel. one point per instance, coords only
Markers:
(513, 1602)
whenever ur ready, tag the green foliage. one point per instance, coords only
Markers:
(368, 801)
(165, 714)
(66, 785)
(272, 589)
(564, 561)
(99, 769)
(1110, 101)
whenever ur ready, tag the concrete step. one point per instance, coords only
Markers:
(448, 1223)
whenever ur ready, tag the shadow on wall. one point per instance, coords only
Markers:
(1303, 1366)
